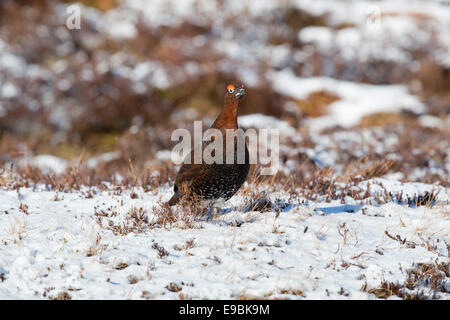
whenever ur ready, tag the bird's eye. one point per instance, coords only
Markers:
(230, 88)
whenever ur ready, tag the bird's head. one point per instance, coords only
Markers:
(234, 93)
(228, 117)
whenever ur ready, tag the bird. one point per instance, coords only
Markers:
(215, 183)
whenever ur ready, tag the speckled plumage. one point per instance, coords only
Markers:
(215, 181)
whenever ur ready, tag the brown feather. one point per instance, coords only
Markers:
(212, 181)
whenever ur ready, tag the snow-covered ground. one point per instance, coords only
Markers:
(106, 241)
(52, 243)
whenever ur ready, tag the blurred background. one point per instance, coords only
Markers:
(351, 84)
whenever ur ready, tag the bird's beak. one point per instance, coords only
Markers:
(239, 93)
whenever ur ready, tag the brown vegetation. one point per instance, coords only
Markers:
(423, 281)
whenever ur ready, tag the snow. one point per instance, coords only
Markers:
(10, 62)
(47, 163)
(105, 157)
(356, 99)
(9, 90)
(119, 24)
(261, 121)
(431, 121)
(164, 155)
(52, 164)
(59, 247)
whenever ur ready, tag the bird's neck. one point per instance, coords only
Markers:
(227, 119)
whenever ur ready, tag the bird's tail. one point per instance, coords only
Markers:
(174, 200)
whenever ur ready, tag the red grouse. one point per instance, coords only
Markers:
(219, 181)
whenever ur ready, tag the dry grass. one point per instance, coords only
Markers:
(424, 281)
(386, 119)
(189, 244)
(92, 131)
(315, 105)
(103, 5)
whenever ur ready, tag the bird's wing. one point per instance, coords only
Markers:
(189, 170)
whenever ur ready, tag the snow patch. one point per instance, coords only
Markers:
(356, 99)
